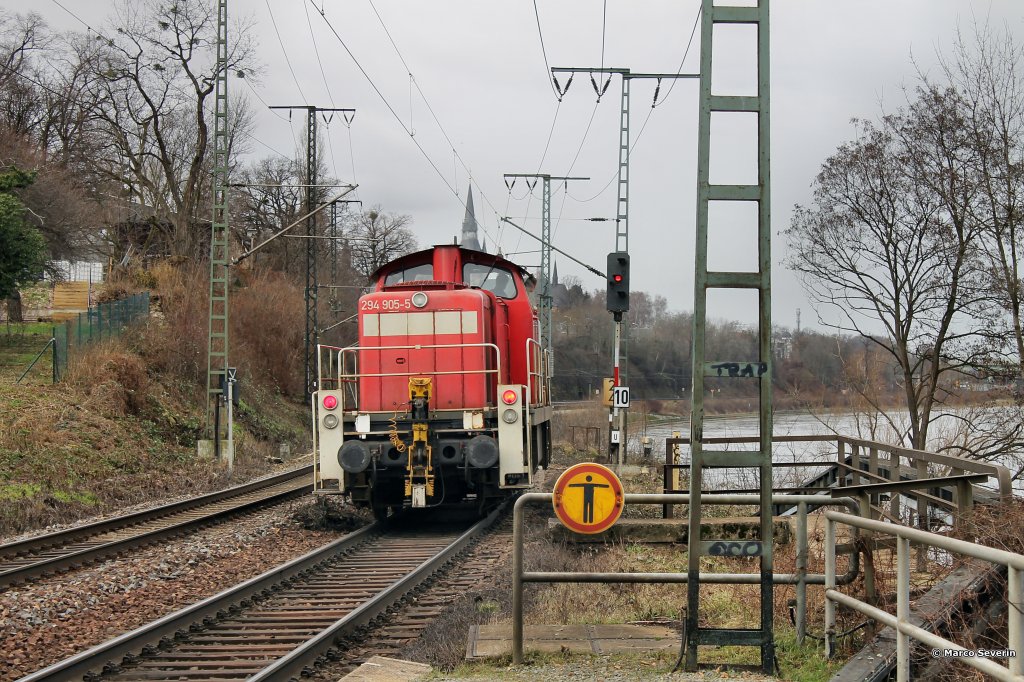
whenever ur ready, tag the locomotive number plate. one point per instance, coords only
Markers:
(386, 304)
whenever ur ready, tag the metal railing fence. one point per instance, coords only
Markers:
(883, 474)
(1014, 563)
(101, 322)
(800, 579)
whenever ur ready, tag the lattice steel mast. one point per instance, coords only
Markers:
(616, 450)
(217, 346)
(312, 331)
(545, 249)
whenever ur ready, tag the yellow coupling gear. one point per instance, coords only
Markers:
(396, 440)
(419, 470)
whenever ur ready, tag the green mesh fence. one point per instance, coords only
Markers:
(104, 321)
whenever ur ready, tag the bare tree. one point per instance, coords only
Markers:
(158, 71)
(20, 35)
(378, 238)
(987, 76)
(887, 248)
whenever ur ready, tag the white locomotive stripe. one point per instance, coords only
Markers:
(447, 322)
(394, 324)
(418, 324)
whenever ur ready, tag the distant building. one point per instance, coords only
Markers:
(79, 271)
(469, 226)
(782, 343)
(559, 292)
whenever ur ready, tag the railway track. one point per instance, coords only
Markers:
(279, 624)
(47, 554)
(399, 629)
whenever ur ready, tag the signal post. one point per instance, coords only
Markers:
(617, 303)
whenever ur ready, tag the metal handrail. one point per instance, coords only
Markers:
(344, 376)
(801, 578)
(905, 630)
(530, 373)
(997, 471)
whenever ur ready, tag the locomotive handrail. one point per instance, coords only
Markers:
(344, 376)
(545, 394)
(545, 389)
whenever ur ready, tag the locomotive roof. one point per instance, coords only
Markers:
(468, 255)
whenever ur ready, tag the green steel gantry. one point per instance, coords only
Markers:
(759, 369)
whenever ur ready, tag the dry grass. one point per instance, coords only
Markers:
(122, 428)
(979, 620)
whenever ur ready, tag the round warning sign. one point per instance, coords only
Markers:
(588, 498)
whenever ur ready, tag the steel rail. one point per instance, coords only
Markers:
(17, 552)
(293, 664)
(131, 643)
(152, 638)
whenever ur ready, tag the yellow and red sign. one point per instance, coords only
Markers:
(588, 498)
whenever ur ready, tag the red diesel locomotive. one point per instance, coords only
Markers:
(446, 397)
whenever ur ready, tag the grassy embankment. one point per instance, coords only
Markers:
(122, 428)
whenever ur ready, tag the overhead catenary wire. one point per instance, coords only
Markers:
(401, 123)
(284, 51)
(263, 101)
(693, 32)
(327, 86)
(654, 104)
(414, 83)
(604, 29)
(550, 77)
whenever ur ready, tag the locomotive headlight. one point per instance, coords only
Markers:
(330, 402)
(509, 397)
(510, 416)
(330, 421)
(419, 299)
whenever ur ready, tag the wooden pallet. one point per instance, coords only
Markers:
(70, 299)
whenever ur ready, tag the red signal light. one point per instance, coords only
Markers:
(330, 402)
(617, 278)
(509, 397)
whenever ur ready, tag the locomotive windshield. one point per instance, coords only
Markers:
(493, 278)
(415, 273)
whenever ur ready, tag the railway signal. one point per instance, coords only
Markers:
(618, 283)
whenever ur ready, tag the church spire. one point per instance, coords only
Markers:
(469, 224)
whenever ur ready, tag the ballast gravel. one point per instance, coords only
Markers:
(49, 620)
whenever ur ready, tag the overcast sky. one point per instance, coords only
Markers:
(481, 69)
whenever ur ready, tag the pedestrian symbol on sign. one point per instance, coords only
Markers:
(588, 498)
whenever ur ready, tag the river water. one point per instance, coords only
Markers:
(786, 423)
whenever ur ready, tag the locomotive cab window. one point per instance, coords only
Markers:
(415, 273)
(493, 278)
